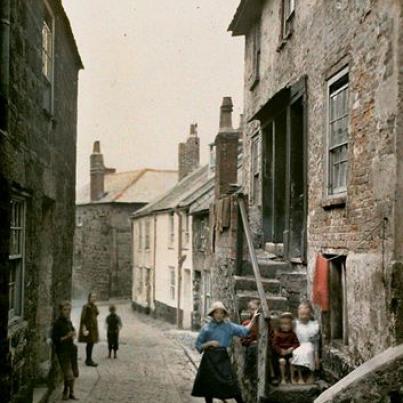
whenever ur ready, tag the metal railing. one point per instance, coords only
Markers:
(253, 257)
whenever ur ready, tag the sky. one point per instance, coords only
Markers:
(152, 67)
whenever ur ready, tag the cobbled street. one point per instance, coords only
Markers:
(151, 366)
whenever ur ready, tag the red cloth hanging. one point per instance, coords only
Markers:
(321, 283)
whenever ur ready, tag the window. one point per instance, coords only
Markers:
(17, 251)
(206, 291)
(255, 169)
(140, 281)
(140, 235)
(202, 236)
(171, 235)
(48, 57)
(338, 133)
(288, 14)
(148, 234)
(338, 299)
(185, 230)
(256, 56)
(172, 282)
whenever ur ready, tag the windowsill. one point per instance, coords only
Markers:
(284, 41)
(334, 201)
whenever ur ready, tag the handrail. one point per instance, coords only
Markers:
(252, 253)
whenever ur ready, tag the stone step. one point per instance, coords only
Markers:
(274, 248)
(292, 394)
(276, 303)
(268, 269)
(248, 283)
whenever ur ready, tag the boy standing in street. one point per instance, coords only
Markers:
(113, 326)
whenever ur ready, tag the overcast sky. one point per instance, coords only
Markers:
(152, 67)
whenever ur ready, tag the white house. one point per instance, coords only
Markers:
(162, 253)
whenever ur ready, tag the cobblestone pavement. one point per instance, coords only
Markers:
(151, 367)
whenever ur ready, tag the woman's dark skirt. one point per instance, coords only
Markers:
(215, 377)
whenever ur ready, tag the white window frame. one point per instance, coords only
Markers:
(288, 13)
(330, 190)
(147, 240)
(171, 231)
(255, 167)
(140, 235)
(172, 282)
(186, 230)
(48, 56)
(16, 308)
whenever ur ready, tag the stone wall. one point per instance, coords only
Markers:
(38, 155)
(326, 37)
(102, 250)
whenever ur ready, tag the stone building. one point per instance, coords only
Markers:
(102, 245)
(322, 173)
(39, 65)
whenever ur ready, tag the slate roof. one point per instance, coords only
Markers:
(139, 186)
(181, 195)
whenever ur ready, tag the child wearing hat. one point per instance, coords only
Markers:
(215, 377)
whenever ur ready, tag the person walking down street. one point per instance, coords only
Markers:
(113, 326)
(215, 377)
(89, 328)
(63, 335)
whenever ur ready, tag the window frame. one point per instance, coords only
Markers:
(16, 308)
(257, 53)
(171, 230)
(172, 282)
(185, 231)
(140, 235)
(255, 167)
(147, 235)
(288, 9)
(341, 77)
(48, 54)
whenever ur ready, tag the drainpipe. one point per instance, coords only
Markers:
(181, 260)
(4, 198)
(154, 259)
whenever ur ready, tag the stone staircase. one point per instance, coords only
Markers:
(284, 283)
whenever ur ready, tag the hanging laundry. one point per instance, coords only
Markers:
(321, 283)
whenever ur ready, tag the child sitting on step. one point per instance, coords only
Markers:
(307, 354)
(284, 342)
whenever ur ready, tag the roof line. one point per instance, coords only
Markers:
(120, 194)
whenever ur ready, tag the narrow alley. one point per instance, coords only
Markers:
(151, 365)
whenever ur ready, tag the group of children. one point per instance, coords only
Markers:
(294, 346)
(63, 336)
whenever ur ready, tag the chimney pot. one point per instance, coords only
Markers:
(226, 114)
(97, 147)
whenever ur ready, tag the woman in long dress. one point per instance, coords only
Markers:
(89, 328)
(215, 377)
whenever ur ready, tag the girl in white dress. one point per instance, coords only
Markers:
(307, 354)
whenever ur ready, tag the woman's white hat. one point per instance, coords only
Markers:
(217, 305)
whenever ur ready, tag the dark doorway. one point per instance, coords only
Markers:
(284, 182)
(297, 225)
(274, 178)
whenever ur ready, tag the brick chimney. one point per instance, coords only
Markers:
(226, 145)
(97, 173)
(189, 153)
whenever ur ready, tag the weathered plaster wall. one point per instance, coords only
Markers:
(327, 36)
